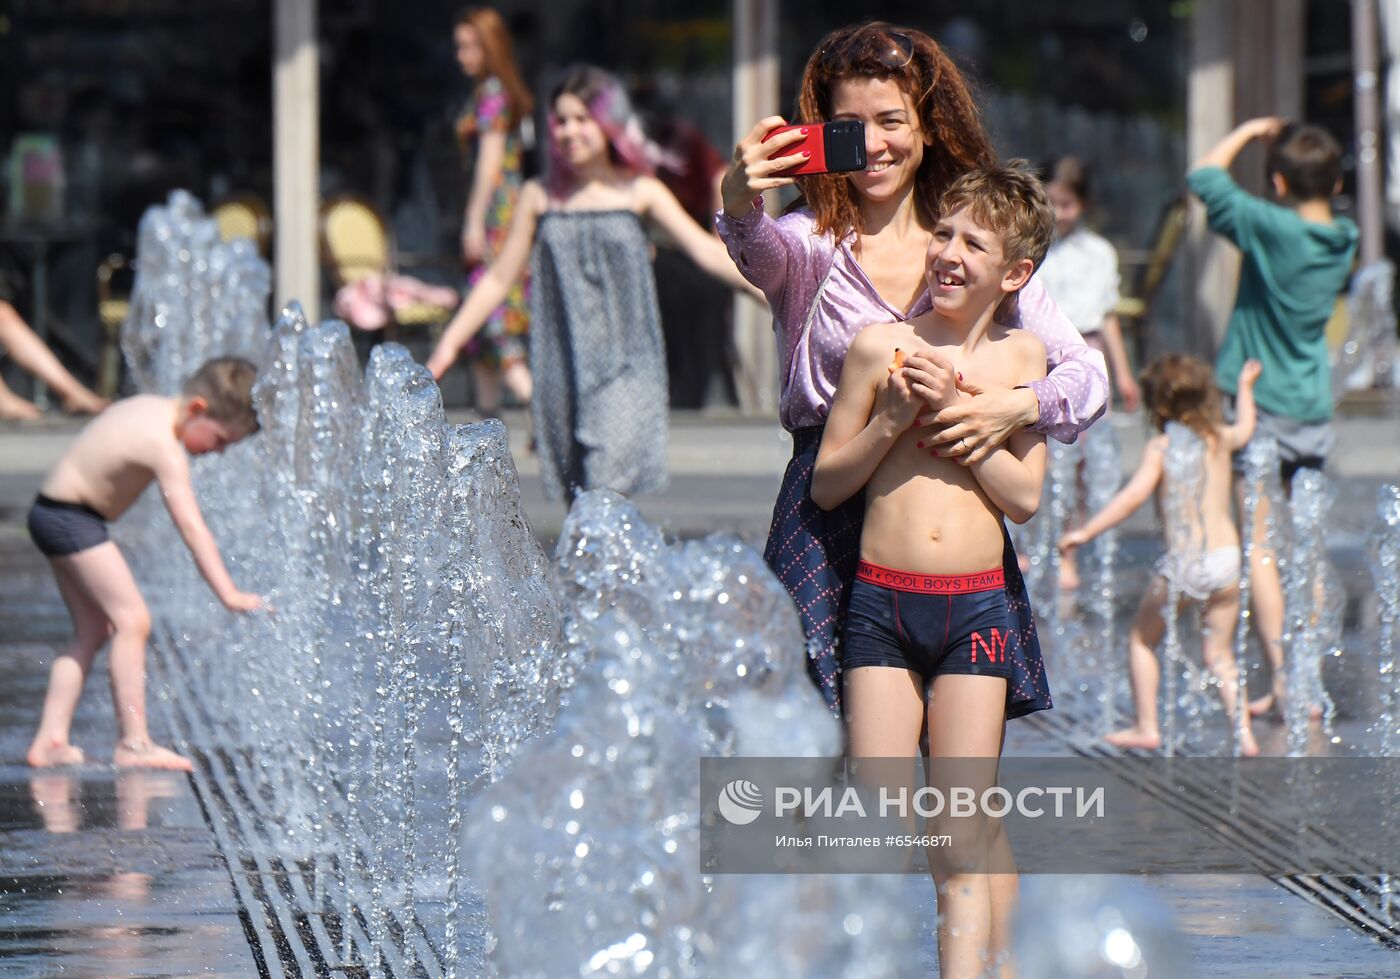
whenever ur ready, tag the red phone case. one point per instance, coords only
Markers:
(815, 143)
(818, 134)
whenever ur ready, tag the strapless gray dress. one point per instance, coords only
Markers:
(596, 354)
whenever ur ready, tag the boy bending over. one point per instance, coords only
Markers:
(926, 631)
(114, 458)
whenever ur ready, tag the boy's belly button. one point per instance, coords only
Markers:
(934, 535)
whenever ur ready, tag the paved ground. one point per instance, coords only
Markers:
(117, 875)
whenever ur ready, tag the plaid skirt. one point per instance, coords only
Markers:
(814, 553)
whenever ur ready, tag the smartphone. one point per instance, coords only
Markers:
(836, 147)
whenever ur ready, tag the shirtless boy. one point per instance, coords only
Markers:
(114, 458)
(928, 615)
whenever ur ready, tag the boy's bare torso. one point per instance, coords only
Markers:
(117, 455)
(927, 514)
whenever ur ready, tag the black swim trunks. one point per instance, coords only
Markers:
(60, 528)
(930, 624)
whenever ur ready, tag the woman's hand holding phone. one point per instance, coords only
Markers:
(751, 172)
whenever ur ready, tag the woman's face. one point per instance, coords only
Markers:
(470, 54)
(576, 133)
(1068, 207)
(894, 143)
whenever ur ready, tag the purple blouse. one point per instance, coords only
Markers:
(785, 259)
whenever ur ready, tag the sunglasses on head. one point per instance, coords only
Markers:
(892, 49)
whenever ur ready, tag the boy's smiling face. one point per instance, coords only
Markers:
(966, 266)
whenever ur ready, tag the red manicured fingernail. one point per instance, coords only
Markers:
(805, 154)
(960, 375)
(919, 446)
(935, 453)
(804, 130)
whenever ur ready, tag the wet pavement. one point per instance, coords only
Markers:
(103, 874)
(107, 874)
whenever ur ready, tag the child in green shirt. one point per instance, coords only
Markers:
(1296, 257)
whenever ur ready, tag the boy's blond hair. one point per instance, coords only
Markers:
(1010, 201)
(226, 385)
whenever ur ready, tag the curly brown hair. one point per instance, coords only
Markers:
(1181, 388)
(948, 117)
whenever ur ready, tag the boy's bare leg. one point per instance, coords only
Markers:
(70, 669)
(103, 574)
(967, 719)
(1218, 618)
(884, 711)
(27, 350)
(1006, 896)
(1144, 672)
(1265, 601)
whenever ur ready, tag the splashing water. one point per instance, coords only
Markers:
(1313, 598)
(1383, 553)
(1185, 684)
(421, 650)
(685, 651)
(1102, 658)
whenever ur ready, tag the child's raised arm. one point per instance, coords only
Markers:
(703, 248)
(873, 406)
(1238, 434)
(1013, 473)
(1129, 498)
(173, 477)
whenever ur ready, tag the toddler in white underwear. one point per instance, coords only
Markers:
(1204, 559)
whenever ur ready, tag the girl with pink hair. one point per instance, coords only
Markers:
(600, 399)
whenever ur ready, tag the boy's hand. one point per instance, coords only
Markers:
(897, 402)
(243, 601)
(1265, 127)
(932, 377)
(1250, 372)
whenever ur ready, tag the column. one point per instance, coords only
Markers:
(296, 155)
(756, 89)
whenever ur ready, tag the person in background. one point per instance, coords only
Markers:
(695, 308)
(595, 337)
(1206, 566)
(1296, 256)
(489, 131)
(26, 349)
(1081, 274)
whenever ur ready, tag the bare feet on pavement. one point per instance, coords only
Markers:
(48, 754)
(16, 409)
(1132, 737)
(84, 402)
(146, 754)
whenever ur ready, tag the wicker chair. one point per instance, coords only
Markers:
(355, 242)
(245, 216)
(113, 304)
